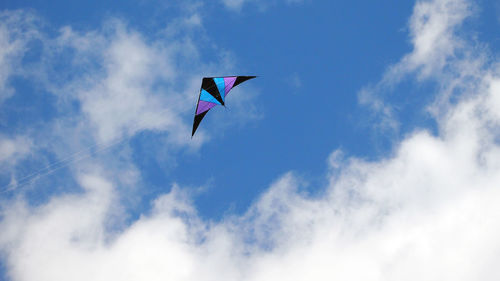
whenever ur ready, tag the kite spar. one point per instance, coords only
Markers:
(213, 92)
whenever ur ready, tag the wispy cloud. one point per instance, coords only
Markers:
(237, 5)
(16, 31)
(433, 27)
(122, 98)
(437, 50)
(13, 149)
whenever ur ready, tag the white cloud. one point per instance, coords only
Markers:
(428, 212)
(13, 149)
(185, 24)
(387, 120)
(121, 99)
(233, 4)
(237, 5)
(15, 33)
(295, 80)
(132, 87)
(436, 54)
(433, 35)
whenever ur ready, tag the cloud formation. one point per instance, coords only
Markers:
(429, 211)
(16, 31)
(237, 5)
(124, 95)
(12, 149)
(436, 54)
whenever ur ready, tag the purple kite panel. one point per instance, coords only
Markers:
(229, 82)
(204, 106)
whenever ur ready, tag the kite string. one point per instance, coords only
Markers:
(61, 161)
(67, 159)
(58, 165)
(73, 158)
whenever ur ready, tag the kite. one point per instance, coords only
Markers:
(213, 92)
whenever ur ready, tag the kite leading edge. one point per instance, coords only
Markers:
(213, 92)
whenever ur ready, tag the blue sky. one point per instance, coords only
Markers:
(310, 73)
(363, 120)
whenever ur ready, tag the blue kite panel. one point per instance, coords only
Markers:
(208, 97)
(220, 86)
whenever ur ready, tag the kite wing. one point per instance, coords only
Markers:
(213, 92)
